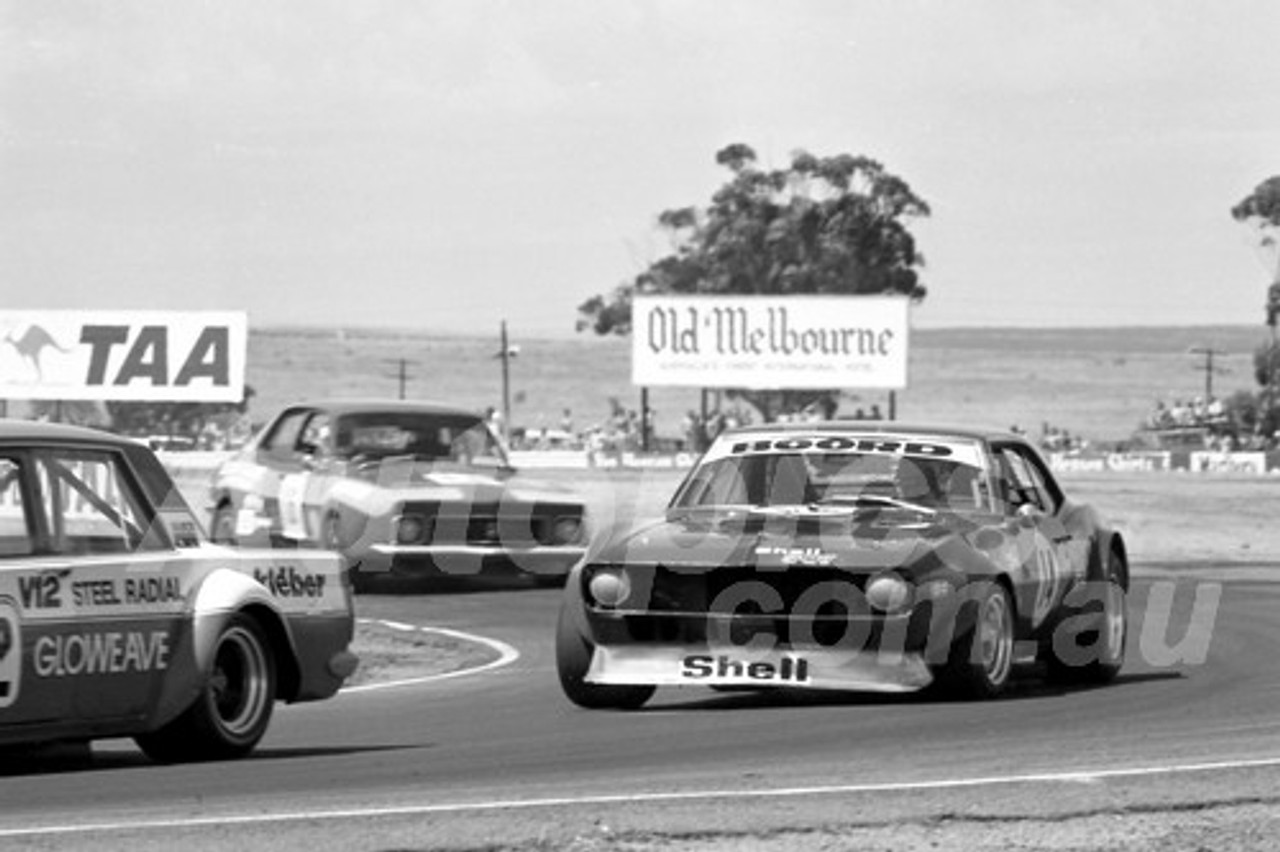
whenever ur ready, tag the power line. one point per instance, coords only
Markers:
(402, 373)
(1209, 369)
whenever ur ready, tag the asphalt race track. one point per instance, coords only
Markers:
(501, 755)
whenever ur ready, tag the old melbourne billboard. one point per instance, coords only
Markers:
(766, 342)
(193, 356)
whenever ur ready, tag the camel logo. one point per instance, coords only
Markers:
(10, 653)
(31, 347)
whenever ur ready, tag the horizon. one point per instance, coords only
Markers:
(545, 333)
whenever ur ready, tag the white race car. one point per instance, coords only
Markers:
(118, 618)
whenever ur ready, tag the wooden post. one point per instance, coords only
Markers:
(702, 424)
(644, 420)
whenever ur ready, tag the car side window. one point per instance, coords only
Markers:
(1050, 494)
(283, 438)
(15, 525)
(1025, 482)
(316, 437)
(716, 484)
(91, 505)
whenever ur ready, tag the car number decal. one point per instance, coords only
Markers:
(1047, 569)
(10, 653)
(293, 491)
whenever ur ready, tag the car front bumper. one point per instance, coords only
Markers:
(777, 666)
(469, 560)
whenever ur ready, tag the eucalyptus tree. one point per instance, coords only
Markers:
(821, 225)
(1259, 211)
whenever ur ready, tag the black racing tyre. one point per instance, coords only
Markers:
(1088, 645)
(222, 529)
(980, 662)
(234, 706)
(573, 658)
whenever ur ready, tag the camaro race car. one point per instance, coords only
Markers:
(117, 617)
(398, 488)
(849, 556)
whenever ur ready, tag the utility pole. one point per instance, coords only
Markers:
(506, 381)
(644, 420)
(1208, 352)
(402, 373)
(506, 353)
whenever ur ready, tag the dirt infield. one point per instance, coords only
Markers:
(1182, 519)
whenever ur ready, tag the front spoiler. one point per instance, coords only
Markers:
(803, 668)
(465, 560)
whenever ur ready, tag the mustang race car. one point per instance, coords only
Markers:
(117, 617)
(398, 488)
(849, 556)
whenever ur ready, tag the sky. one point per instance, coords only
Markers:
(451, 165)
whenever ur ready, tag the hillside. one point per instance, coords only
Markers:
(1095, 382)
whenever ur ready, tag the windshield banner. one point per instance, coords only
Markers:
(853, 443)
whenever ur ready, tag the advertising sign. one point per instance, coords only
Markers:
(175, 356)
(769, 342)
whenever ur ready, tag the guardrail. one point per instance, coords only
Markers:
(199, 464)
(196, 466)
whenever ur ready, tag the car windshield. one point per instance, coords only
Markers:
(457, 438)
(764, 475)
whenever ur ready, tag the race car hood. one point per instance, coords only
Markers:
(857, 539)
(388, 486)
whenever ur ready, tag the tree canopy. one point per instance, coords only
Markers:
(1260, 211)
(1262, 206)
(173, 418)
(822, 225)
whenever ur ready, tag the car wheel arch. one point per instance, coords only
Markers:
(288, 673)
(1022, 624)
(225, 591)
(351, 523)
(1121, 553)
(1113, 546)
(959, 671)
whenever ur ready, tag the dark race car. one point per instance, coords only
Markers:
(849, 556)
(118, 618)
(400, 488)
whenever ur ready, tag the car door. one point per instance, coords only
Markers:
(283, 477)
(304, 489)
(109, 585)
(31, 604)
(1033, 504)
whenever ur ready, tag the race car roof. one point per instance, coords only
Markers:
(12, 430)
(348, 405)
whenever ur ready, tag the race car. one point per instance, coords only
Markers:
(399, 488)
(849, 555)
(119, 619)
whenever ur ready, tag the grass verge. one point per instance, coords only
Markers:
(389, 653)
